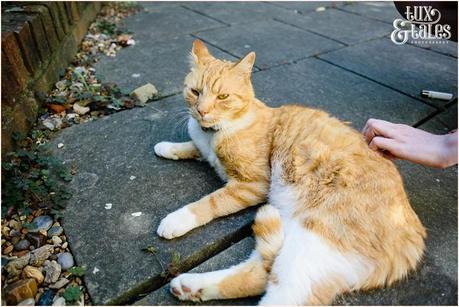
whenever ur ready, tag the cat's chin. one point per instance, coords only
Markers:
(208, 126)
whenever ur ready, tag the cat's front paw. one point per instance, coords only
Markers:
(166, 150)
(177, 223)
(196, 287)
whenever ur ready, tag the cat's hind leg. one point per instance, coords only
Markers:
(309, 270)
(177, 151)
(248, 278)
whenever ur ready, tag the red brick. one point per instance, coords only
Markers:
(13, 64)
(41, 42)
(68, 10)
(18, 23)
(60, 26)
(47, 23)
(63, 15)
(75, 10)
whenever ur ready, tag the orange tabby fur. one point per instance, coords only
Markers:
(346, 194)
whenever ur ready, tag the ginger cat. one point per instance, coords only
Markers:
(337, 217)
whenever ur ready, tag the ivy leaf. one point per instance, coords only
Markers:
(77, 271)
(72, 294)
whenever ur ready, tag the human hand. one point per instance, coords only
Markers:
(412, 144)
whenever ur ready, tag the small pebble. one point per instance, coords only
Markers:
(42, 222)
(47, 298)
(60, 283)
(80, 110)
(27, 302)
(15, 233)
(8, 249)
(64, 246)
(48, 124)
(53, 270)
(60, 301)
(60, 145)
(108, 206)
(65, 260)
(22, 245)
(15, 225)
(56, 240)
(55, 231)
(132, 178)
(5, 261)
(136, 214)
(36, 239)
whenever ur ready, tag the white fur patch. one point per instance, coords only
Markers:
(204, 141)
(177, 223)
(305, 259)
(166, 150)
(198, 286)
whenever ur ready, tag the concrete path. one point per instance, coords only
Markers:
(339, 59)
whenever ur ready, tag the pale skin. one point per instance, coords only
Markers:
(405, 142)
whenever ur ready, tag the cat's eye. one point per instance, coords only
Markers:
(195, 92)
(222, 96)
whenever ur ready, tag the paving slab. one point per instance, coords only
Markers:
(239, 12)
(348, 28)
(233, 255)
(379, 10)
(446, 47)
(403, 67)
(349, 97)
(162, 20)
(164, 64)
(107, 152)
(274, 42)
(449, 117)
(305, 7)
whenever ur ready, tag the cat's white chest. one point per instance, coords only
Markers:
(204, 141)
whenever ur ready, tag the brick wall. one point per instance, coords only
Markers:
(39, 39)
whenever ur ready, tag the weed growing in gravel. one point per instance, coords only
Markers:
(32, 177)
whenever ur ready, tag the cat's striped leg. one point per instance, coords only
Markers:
(176, 151)
(233, 197)
(246, 279)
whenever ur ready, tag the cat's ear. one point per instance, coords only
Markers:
(199, 53)
(246, 64)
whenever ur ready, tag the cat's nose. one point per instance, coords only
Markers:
(202, 112)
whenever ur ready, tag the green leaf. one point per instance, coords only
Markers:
(72, 294)
(77, 271)
(29, 225)
(150, 249)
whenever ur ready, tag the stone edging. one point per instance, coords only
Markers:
(39, 39)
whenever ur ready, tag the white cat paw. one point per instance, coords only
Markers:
(196, 287)
(177, 223)
(165, 150)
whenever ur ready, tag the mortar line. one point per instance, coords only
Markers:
(382, 84)
(154, 283)
(214, 45)
(310, 31)
(295, 61)
(204, 14)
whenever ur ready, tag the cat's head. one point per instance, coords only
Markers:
(217, 91)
